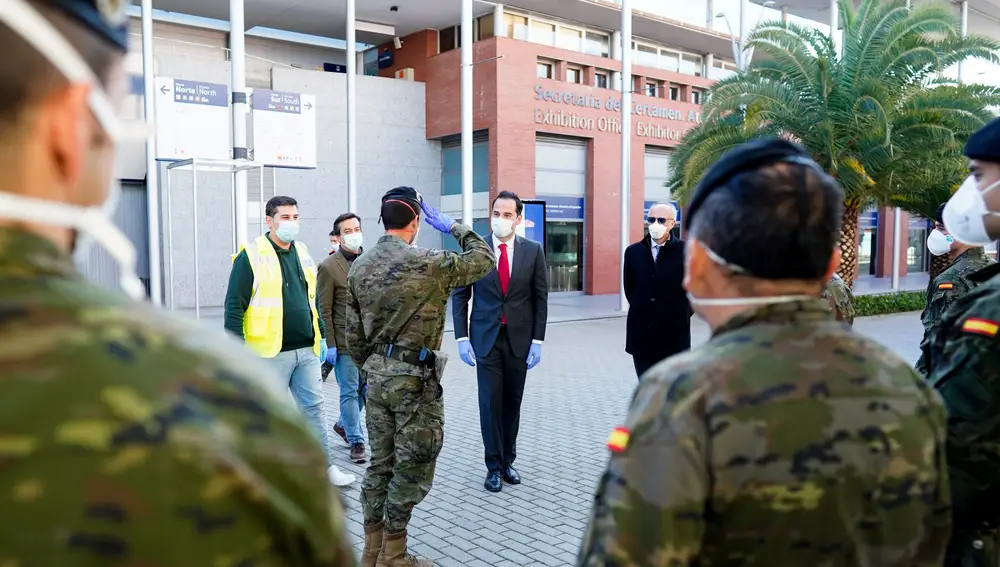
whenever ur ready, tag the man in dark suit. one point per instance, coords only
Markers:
(509, 312)
(659, 315)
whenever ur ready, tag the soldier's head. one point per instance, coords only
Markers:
(401, 213)
(972, 215)
(939, 241)
(763, 227)
(59, 94)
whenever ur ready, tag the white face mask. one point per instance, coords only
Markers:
(964, 215)
(939, 243)
(334, 247)
(502, 227)
(90, 223)
(353, 241)
(733, 301)
(657, 231)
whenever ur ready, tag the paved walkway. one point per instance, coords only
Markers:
(573, 399)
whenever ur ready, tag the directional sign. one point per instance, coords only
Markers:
(284, 129)
(192, 120)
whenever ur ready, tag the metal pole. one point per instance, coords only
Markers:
(897, 241)
(263, 222)
(467, 112)
(232, 188)
(152, 167)
(834, 9)
(261, 193)
(742, 61)
(237, 56)
(352, 75)
(170, 246)
(626, 165)
(965, 33)
(194, 217)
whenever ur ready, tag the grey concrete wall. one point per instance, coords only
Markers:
(392, 150)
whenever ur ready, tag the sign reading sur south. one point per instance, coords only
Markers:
(570, 119)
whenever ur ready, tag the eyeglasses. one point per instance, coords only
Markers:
(661, 220)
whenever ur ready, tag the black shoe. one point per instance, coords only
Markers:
(510, 475)
(493, 481)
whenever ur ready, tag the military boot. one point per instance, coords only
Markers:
(394, 553)
(373, 545)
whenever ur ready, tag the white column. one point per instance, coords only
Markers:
(237, 56)
(741, 61)
(152, 167)
(834, 15)
(784, 14)
(965, 32)
(352, 126)
(709, 62)
(499, 28)
(626, 165)
(710, 14)
(467, 112)
(897, 243)
(616, 54)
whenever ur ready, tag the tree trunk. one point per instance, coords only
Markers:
(938, 265)
(849, 244)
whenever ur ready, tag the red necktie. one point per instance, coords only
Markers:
(503, 270)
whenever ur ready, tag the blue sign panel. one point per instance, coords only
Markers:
(135, 84)
(205, 94)
(385, 59)
(277, 101)
(534, 221)
(334, 68)
(563, 208)
(649, 204)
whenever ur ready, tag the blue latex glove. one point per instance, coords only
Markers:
(322, 349)
(331, 356)
(534, 355)
(466, 353)
(436, 218)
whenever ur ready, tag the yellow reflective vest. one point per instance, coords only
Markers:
(262, 322)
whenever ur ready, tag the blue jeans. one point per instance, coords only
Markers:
(351, 400)
(301, 369)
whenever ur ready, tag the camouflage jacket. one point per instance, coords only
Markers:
(398, 294)
(951, 284)
(128, 437)
(965, 369)
(785, 441)
(841, 300)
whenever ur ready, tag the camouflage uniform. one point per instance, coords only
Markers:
(965, 369)
(131, 438)
(785, 441)
(841, 300)
(944, 290)
(398, 295)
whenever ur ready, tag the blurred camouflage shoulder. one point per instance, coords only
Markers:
(840, 299)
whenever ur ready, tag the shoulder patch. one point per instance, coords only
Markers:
(946, 285)
(983, 327)
(618, 440)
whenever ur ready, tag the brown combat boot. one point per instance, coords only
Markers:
(394, 553)
(373, 545)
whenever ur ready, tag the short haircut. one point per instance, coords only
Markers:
(27, 77)
(278, 201)
(397, 215)
(673, 209)
(519, 205)
(779, 222)
(342, 218)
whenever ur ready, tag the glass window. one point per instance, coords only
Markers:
(651, 89)
(574, 76)
(669, 60)
(451, 169)
(691, 65)
(543, 70)
(570, 38)
(370, 60)
(601, 80)
(447, 39)
(695, 96)
(564, 255)
(675, 93)
(721, 70)
(543, 33)
(598, 44)
(645, 55)
(485, 27)
(517, 26)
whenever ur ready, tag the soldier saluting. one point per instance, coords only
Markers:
(395, 319)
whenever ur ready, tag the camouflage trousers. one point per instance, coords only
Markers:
(406, 434)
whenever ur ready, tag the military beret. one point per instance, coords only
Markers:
(403, 194)
(107, 18)
(746, 157)
(939, 213)
(984, 145)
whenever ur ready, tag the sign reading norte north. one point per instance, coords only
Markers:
(570, 119)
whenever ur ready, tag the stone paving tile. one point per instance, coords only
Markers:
(572, 400)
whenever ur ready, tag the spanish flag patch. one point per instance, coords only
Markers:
(619, 439)
(946, 285)
(981, 327)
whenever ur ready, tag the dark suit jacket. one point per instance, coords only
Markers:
(331, 287)
(659, 314)
(526, 304)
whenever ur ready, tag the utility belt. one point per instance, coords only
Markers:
(430, 362)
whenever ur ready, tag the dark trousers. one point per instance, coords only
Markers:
(643, 363)
(501, 377)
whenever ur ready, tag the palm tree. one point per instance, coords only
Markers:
(875, 118)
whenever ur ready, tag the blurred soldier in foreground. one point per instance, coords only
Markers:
(965, 364)
(954, 282)
(395, 319)
(838, 296)
(126, 437)
(787, 440)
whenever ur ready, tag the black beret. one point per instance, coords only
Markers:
(939, 213)
(403, 194)
(984, 145)
(106, 18)
(746, 157)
